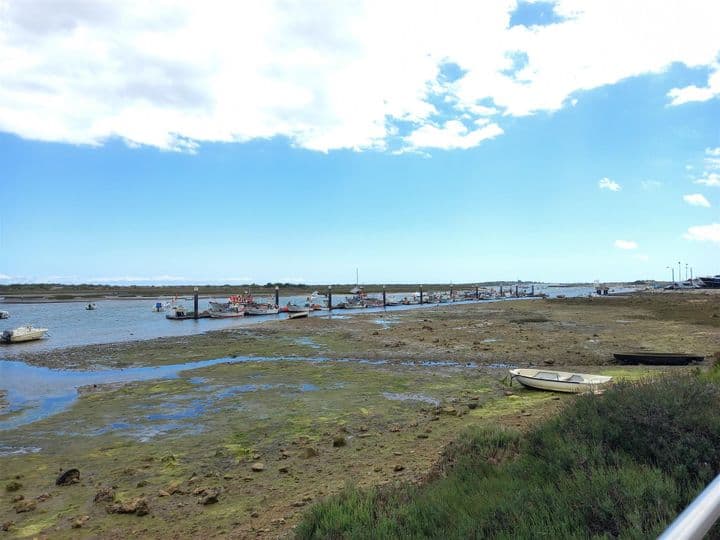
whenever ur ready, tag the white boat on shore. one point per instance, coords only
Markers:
(298, 315)
(23, 333)
(558, 381)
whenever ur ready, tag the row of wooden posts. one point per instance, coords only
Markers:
(384, 296)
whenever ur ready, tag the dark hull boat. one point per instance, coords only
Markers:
(657, 358)
(710, 282)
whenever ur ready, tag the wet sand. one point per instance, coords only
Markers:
(313, 426)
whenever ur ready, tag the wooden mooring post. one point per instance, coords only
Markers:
(277, 296)
(195, 304)
(421, 295)
(329, 297)
(384, 297)
(477, 292)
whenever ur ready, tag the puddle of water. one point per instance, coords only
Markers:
(386, 323)
(18, 450)
(411, 397)
(307, 342)
(501, 366)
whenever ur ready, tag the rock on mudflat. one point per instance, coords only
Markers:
(339, 441)
(309, 452)
(105, 494)
(79, 521)
(25, 505)
(13, 486)
(138, 506)
(71, 476)
(258, 467)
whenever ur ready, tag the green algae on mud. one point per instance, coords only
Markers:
(138, 438)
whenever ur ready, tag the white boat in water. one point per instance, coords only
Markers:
(261, 309)
(23, 333)
(559, 381)
(292, 307)
(4, 314)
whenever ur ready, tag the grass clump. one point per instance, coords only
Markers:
(623, 464)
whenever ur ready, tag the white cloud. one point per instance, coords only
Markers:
(452, 135)
(135, 279)
(696, 199)
(326, 75)
(691, 93)
(709, 179)
(704, 233)
(650, 185)
(626, 244)
(713, 152)
(5, 277)
(606, 183)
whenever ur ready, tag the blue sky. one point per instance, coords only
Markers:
(460, 170)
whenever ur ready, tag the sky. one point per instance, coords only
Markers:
(218, 142)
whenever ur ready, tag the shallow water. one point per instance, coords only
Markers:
(34, 393)
(70, 324)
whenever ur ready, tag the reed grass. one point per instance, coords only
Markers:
(623, 464)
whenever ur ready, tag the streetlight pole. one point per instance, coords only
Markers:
(679, 272)
(672, 269)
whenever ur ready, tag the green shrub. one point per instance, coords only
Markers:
(619, 465)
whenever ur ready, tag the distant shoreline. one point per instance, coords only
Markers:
(54, 293)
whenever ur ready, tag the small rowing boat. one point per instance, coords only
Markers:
(658, 358)
(558, 381)
(298, 314)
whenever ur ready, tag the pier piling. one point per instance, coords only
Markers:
(421, 295)
(277, 296)
(477, 292)
(195, 303)
(384, 297)
(329, 297)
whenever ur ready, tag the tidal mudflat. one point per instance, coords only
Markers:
(287, 413)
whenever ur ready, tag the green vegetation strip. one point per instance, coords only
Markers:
(623, 464)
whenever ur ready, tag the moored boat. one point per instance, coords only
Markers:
(292, 307)
(178, 313)
(261, 309)
(91, 307)
(710, 282)
(230, 312)
(4, 314)
(23, 333)
(298, 314)
(558, 381)
(658, 358)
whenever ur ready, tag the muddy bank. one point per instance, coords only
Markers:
(240, 450)
(573, 331)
